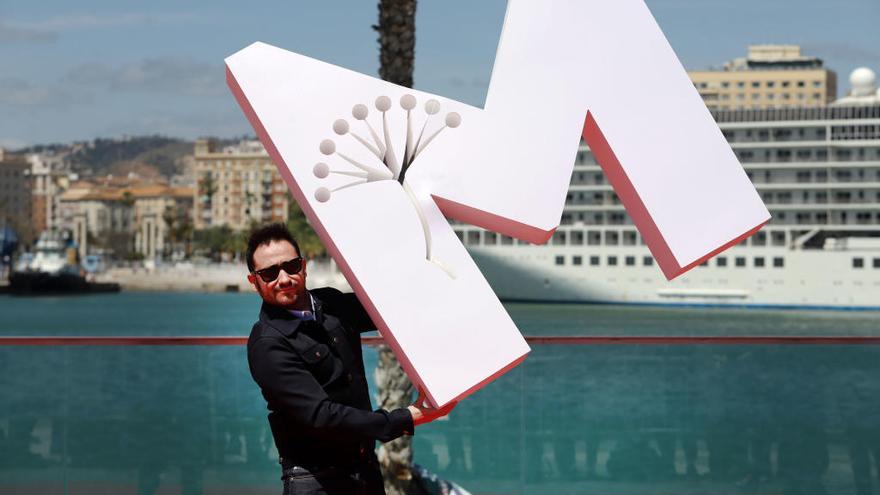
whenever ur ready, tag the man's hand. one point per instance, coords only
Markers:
(421, 413)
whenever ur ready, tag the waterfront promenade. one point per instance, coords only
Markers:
(207, 277)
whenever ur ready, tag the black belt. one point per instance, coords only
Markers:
(353, 471)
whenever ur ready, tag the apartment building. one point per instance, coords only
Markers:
(236, 186)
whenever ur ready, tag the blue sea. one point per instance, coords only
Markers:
(620, 419)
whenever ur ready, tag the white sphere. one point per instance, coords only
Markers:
(383, 103)
(340, 127)
(863, 81)
(432, 107)
(321, 170)
(453, 119)
(328, 147)
(322, 194)
(408, 102)
(359, 111)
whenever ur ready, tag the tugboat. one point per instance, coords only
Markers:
(53, 269)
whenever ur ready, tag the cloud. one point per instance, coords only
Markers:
(48, 30)
(85, 22)
(224, 121)
(17, 92)
(161, 75)
(10, 33)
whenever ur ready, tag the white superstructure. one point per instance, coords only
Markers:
(817, 170)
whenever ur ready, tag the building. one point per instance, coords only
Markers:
(138, 218)
(158, 212)
(770, 76)
(237, 186)
(50, 176)
(15, 196)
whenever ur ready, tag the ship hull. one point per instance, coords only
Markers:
(807, 279)
(35, 283)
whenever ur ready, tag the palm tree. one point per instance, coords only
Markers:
(208, 187)
(397, 42)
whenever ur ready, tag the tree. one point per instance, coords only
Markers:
(397, 42)
(309, 242)
(179, 228)
(215, 241)
(208, 187)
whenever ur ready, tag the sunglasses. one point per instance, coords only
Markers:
(290, 267)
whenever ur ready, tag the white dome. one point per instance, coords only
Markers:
(863, 81)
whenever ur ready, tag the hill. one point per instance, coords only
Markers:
(103, 156)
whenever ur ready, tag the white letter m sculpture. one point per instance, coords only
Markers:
(378, 169)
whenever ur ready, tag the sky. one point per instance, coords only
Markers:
(98, 68)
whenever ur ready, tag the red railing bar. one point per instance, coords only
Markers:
(544, 340)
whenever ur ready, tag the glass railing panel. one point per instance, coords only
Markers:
(571, 419)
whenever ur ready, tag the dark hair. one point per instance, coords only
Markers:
(265, 235)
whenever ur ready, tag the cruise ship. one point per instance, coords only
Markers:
(817, 170)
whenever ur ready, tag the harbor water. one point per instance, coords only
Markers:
(707, 418)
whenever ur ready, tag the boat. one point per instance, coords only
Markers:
(53, 269)
(817, 170)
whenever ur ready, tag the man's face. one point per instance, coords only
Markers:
(288, 290)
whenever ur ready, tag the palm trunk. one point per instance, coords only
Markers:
(397, 41)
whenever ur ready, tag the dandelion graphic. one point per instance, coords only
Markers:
(380, 146)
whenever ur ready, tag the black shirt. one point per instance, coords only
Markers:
(311, 373)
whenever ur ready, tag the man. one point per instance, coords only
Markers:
(305, 354)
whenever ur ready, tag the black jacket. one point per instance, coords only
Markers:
(312, 376)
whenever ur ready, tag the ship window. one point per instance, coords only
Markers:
(594, 260)
(611, 238)
(778, 238)
(630, 261)
(648, 261)
(858, 263)
(759, 262)
(594, 237)
(577, 238)
(490, 238)
(506, 239)
(876, 262)
(559, 238)
(577, 260)
(759, 239)
(473, 237)
(460, 235)
(778, 262)
(612, 261)
(629, 238)
(722, 261)
(560, 260)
